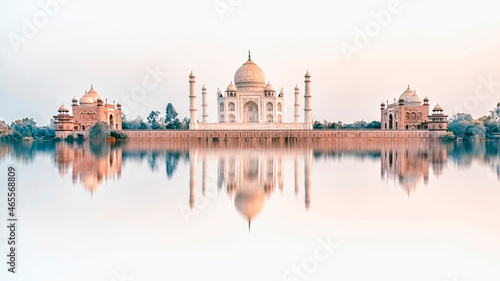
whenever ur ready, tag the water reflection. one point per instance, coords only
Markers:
(250, 173)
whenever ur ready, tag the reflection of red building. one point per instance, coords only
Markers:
(409, 162)
(89, 168)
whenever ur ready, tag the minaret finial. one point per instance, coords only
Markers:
(91, 86)
(249, 56)
(408, 86)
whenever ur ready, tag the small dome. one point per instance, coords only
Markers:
(74, 100)
(231, 88)
(382, 104)
(438, 108)
(414, 99)
(269, 88)
(86, 100)
(296, 87)
(99, 100)
(119, 104)
(63, 108)
(426, 99)
(204, 88)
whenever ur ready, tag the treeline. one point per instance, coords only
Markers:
(155, 121)
(26, 129)
(358, 125)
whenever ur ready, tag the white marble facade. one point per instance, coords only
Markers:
(250, 104)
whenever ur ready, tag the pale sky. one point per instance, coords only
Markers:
(445, 50)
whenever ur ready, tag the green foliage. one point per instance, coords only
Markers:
(358, 125)
(70, 138)
(448, 136)
(57, 139)
(136, 124)
(99, 130)
(171, 120)
(118, 135)
(80, 137)
(153, 120)
(463, 125)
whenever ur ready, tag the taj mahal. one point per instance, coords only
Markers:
(251, 108)
(250, 104)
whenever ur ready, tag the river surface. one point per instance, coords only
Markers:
(344, 210)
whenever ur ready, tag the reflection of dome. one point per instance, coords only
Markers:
(269, 88)
(63, 108)
(249, 74)
(250, 203)
(231, 88)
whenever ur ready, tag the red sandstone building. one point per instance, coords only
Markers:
(89, 110)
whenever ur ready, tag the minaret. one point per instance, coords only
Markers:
(193, 158)
(192, 97)
(307, 173)
(204, 105)
(296, 113)
(307, 103)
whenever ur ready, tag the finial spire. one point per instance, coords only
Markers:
(408, 86)
(91, 86)
(249, 56)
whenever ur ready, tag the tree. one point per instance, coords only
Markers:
(4, 129)
(26, 127)
(171, 120)
(99, 130)
(153, 120)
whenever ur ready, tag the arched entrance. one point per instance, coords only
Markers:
(250, 112)
(111, 122)
(390, 121)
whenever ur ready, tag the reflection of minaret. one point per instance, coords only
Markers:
(193, 157)
(280, 173)
(204, 175)
(296, 171)
(221, 169)
(307, 171)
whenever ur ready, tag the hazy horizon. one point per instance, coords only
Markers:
(446, 51)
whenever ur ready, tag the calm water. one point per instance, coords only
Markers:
(347, 210)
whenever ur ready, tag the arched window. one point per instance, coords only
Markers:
(232, 119)
(270, 118)
(269, 106)
(221, 107)
(413, 116)
(280, 119)
(407, 115)
(94, 115)
(82, 116)
(83, 126)
(88, 116)
(221, 118)
(231, 106)
(250, 108)
(419, 115)
(279, 106)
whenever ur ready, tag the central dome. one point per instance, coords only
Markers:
(249, 74)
